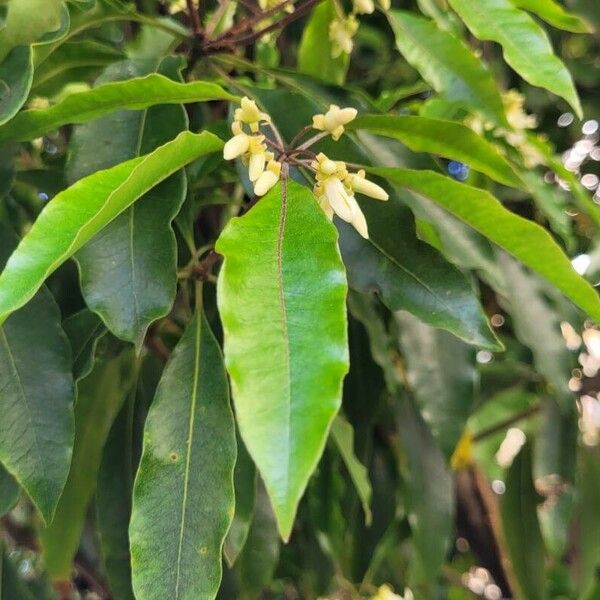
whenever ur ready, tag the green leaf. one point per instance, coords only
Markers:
(526, 46)
(518, 507)
(343, 436)
(27, 21)
(428, 493)
(555, 14)
(314, 53)
(11, 585)
(16, 75)
(129, 271)
(245, 499)
(183, 500)
(444, 138)
(410, 275)
(447, 64)
(445, 396)
(525, 240)
(99, 399)
(257, 562)
(36, 396)
(283, 274)
(84, 330)
(134, 94)
(76, 58)
(74, 216)
(529, 305)
(9, 492)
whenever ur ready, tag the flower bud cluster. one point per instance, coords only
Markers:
(334, 119)
(263, 170)
(335, 188)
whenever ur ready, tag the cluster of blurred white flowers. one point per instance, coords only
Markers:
(344, 27)
(334, 187)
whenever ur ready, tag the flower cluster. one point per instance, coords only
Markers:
(263, 169)
(334, 187)
(343, 28)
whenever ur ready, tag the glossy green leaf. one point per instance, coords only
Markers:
(428, 493)
(99, 399)
(410, 275)
(440, 370)
(73, 217)
(447, 64)
(244, 482)
(282, 274)
(36, 396)
(314, 53)
(343, 436)
(134, 94)
(257, 562)
(444, 138)
(518, 507)
(16, 75)
(9, 491)
(526, 46)
(84, 330)
(555, 14)
(183, 500)
(525, 240)
(129, 271)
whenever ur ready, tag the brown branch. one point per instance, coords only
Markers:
(502, 425)
(195, 18)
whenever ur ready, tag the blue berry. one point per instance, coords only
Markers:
(458, 170)
(43, 196)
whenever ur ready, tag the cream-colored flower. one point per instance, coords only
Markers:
(334, 119)
(385, 4)
(363, 7)
(361, 185)
(268, 178)
(250, 114)
(236, 146)
(268, 4)
(515, 113)
(335, 197)
(258, 156)
(341, 32)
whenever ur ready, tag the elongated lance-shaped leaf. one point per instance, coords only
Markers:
(555, 14)
(447, 64)
(99, 398)
(16, 74)
(74, 216)
(36, 396)
(281, 297)
(525, 240)
(444, 138)
(183, 500)
(129, 271)
(526, 46)
(134, 94)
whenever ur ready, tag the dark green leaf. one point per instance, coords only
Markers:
(129, 270)
(77, 214)
(520, 522)
(84, 330)
(16, 75)
(183, 501)
(525, 240)
(9, 492)
(36, 396)
(555, 14)
(281, 275)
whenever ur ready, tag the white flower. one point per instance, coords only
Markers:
(385, 4)
(258, 156)
(268, 178)
(341, 32)
(334, 119)
(361, 185)
(250, 114)
(363, 7)
(236, 146)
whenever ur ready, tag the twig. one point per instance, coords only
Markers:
(502, 425)
(195, 18)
